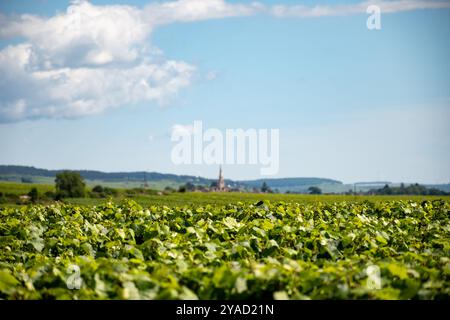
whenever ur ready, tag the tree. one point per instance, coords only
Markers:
(264, 187)
(69, 184)
(190, 186)
(314, 190)
(34, 195)
(214, 184)
(386, 190)
(26, 180)
(103, 192)
(169, 189)
(97, 189)
(413, 189)
(49, 195)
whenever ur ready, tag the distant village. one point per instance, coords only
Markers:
(220, 186)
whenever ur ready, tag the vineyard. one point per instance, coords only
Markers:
(262, 250)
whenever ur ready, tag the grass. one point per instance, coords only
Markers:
(17, 188)
(199, 198)
(157, 185)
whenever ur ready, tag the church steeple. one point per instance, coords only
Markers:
(221, 182)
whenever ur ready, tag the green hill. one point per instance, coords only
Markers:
(157, 180)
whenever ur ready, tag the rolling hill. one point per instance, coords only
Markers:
(159, 181)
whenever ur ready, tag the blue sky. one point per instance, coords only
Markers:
(350, 103)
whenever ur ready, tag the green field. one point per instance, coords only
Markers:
(197, 198)
(197, 245)
(43, 182)
(264, 250)
(23, 188)
(200, 198)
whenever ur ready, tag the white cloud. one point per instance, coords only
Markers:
(393, 6)
(196, 10)
(182, 130)
(82, 62)
(83, 33)
(92, 58)
(13, 110)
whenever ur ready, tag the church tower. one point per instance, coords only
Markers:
(221, 182)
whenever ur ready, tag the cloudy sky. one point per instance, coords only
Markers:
(101, 84)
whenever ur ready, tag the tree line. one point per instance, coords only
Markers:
(413, 189)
